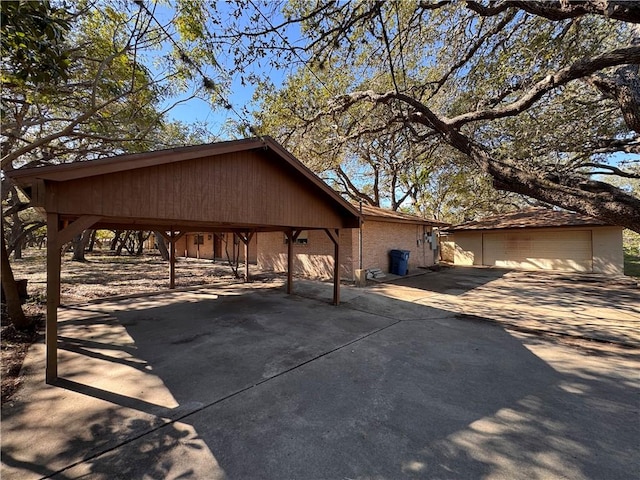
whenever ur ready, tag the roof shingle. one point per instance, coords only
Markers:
(530, 218)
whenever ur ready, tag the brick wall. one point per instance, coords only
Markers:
(381, 237)
(186, 247)
(314, 260)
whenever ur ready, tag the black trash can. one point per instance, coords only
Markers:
(399, 262)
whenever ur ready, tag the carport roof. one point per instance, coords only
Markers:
(268, 173)
(530, 218)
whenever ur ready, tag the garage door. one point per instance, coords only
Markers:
(568, 251)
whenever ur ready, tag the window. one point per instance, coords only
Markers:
(303, 238)
(198, 239)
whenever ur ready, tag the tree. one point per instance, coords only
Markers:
(31, 39)
(78, 83)
(542, 97)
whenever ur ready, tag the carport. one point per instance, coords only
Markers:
(243, 186)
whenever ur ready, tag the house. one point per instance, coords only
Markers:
(537, 239)
(222, 246)
(382, 230)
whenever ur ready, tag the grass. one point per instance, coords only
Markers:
(631, 263)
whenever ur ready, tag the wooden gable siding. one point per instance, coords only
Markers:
(247, 187)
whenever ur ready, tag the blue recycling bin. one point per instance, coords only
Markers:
(399, 262)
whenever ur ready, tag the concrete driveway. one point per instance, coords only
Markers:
(591, 307)
(401, 381)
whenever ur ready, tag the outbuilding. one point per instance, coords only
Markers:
(537, 239)
(242, 187)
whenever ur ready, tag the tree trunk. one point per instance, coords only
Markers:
(92, 242)
(235, 262)
(122, 242)
(162, 246)
(28, 232)
(589, 197)
(80, 242)
(142, 237)
(10, 289)
(116, 238)
(16, 236)
(130, 242)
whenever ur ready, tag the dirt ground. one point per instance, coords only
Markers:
(102, 275)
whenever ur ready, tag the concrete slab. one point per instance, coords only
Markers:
(208, 344)
(248, 382)
(596, 307)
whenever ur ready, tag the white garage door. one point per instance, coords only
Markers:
(563, 250)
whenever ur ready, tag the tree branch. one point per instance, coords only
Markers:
(626, 11)
(611, 170)
(579, 69)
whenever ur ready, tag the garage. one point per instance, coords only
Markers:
(537, 239)
(547, 250)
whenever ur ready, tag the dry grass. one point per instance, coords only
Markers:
(102, 275)
(14, 346)
(105, 275)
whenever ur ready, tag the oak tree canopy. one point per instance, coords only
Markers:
(541, 97)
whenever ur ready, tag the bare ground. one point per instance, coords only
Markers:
(102, 275)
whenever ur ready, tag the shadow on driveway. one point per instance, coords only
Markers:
(452, 280)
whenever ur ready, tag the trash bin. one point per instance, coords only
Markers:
(399, 262)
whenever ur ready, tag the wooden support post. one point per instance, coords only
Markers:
(289, 262)
(292, 236)
(246, 261)
(335, 238)
(172, 260)
(56, 237)
(172, 238)
(246, 237)
(53, 297)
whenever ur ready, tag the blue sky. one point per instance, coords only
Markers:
(200, 110)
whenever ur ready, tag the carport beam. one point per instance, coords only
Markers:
(335, 238)
(292, 236)
(53, 298)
